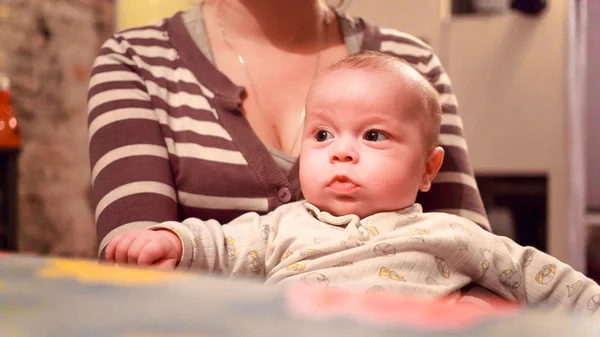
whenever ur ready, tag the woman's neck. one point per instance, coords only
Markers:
(287, 24)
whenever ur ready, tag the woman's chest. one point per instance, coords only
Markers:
(220, 168)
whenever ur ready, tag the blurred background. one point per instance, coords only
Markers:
(528, 85)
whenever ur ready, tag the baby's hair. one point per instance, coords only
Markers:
(431, 114)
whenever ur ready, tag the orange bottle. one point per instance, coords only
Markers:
(10, 137)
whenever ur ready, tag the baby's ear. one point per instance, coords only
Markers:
(432, 166)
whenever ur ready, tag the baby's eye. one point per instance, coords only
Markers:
(374, 136)
(323, 135)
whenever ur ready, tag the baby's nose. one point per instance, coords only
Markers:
(344, 153)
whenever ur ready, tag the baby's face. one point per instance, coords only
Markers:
(363, 149)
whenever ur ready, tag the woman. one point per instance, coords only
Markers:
(199, 115)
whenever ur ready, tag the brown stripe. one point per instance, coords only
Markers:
(158, 61)
(443, 89)
(451, 195)
(117, 104)
(148, 42)
(115, 85)
(172, 86)
(412, 59)
(105, 50)
(185, 111)
(217, 179)
(203, 140)
(160, 103)
(182, 111)
(451, 130)
(371, 36)
(449, 109)
(456, 160)
(106, 68)
(402, 40)
(132, 169)
(122, 133)
(434, 74)
(139, 207)
(128, 53)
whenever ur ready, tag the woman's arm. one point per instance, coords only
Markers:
(132, 179)
(454, 189)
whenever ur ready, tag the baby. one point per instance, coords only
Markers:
(369, 145)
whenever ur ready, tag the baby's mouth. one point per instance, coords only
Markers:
(342, 184)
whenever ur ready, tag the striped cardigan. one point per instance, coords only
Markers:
(168, 140)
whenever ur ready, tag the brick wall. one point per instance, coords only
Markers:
(47, 48)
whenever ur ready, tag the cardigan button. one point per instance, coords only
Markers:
(284, 195)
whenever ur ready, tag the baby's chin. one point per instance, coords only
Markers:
(340, 208)
(362, 208)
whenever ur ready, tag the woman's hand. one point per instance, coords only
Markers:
(160, 249)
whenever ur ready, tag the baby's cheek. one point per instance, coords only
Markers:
(310, 175)
(395, 187)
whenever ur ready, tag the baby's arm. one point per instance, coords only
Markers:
(536, 278)
(236, 248)
(550, 282)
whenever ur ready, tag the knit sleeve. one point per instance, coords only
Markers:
(132, 181)
(454, 189)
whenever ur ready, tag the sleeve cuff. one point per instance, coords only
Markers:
(187, 241)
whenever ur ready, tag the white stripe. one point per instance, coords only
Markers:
(114, 76)
(155, 51)
(160, 72)
(112, 59)
(191, 150)
(114, 95)
(473, 216)
(125, 152)
(117, 115)
(453, 140)
(180, 99)
(452, 120)
(175, 100)
(593, 219)
(223, 203)
(123, 229)
(177, 75)
(449, 99)
(132, 189)
(203, 128)
(426, 68)
(402, 49)
(443, 79)
(402, 35)
(456, 177)
(144, 34)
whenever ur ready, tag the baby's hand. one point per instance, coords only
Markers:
(160, 249)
